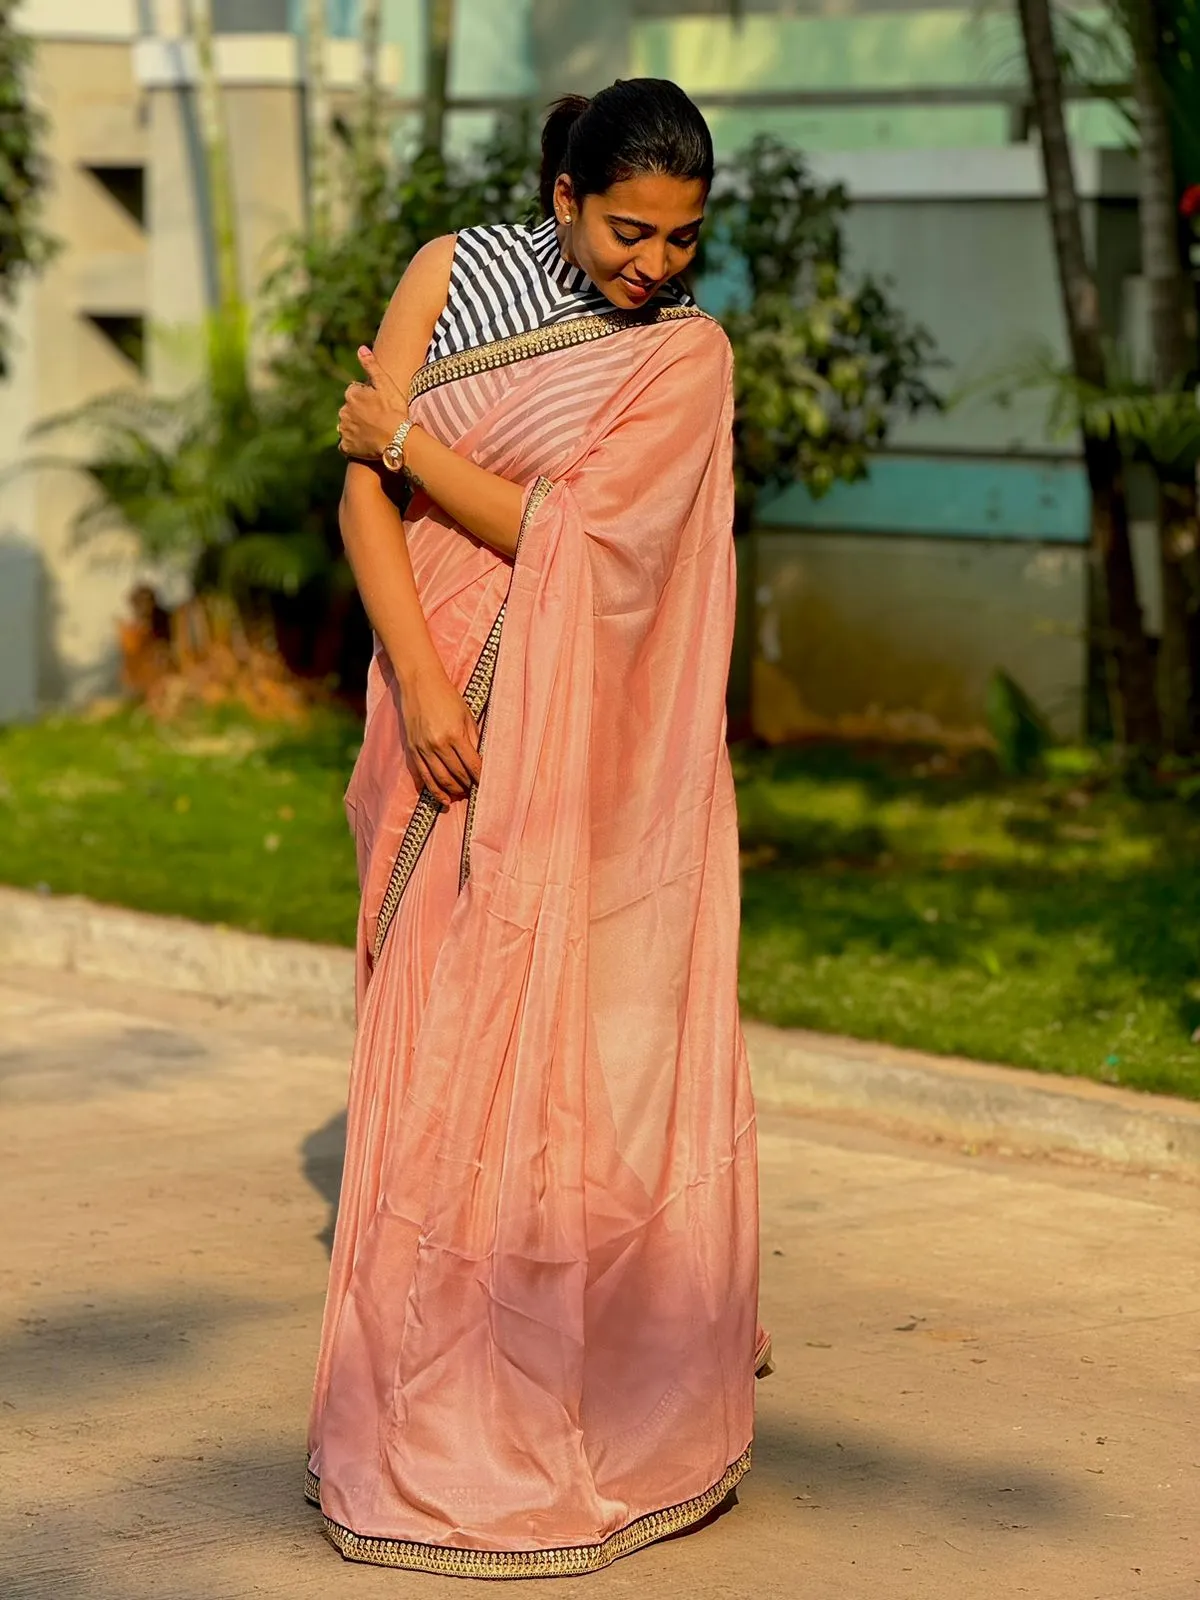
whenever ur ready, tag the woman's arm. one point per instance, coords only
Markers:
(440, 732)
(486, 505)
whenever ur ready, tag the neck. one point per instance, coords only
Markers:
(563, 234)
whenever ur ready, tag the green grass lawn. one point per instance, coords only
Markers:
(1052, 924)
(216, 817)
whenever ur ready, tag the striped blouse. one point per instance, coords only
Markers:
(507, 278)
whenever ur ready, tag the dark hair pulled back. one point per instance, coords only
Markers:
(636, 125)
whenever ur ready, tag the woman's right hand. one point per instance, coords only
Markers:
(442, 737)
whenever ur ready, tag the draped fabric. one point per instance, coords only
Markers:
(540, 1336)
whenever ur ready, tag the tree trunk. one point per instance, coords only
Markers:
(369, 118)
(221, 215)
(316, 119)
(439, 31)
(1118, 626)
(1123, 639)
(1171, 359)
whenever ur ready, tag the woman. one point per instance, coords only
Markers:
(540, 1338)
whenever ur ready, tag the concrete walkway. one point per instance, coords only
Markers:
(989, 1370)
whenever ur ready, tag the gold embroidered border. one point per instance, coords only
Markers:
(464, 862)
(540, 342)
(537, 495)
(533, 505)
(567, 1562)
(427, 809)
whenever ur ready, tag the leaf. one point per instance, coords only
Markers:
(278, 562)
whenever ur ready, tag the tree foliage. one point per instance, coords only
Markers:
(826, 364)
(24, 244)
(329, 295)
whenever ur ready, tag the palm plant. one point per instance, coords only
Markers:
(239, 483)
(1157, 425)
(207, 480)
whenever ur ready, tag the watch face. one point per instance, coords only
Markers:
(391, 458)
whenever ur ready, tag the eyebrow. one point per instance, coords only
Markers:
(636, 222)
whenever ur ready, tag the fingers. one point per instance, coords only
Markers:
(445, 784)
(450, 771)
(469, 753)
(429, 781)
(367, 361)
(354, 434)
(462, 761)
(377, 376)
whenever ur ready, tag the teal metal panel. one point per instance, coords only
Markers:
(950, 497)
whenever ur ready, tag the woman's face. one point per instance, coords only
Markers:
(635, 236)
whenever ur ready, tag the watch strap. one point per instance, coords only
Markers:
(393, 451)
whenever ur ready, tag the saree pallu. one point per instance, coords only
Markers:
(540, 1336)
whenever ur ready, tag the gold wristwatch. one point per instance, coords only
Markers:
(393, 451)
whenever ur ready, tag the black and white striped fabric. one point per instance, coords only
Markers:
(508, 279)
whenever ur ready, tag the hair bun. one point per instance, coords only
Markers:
(556, 135)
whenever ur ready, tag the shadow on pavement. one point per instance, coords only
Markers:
(71, 1352)
(322, 1155)
(87, 1064)
(166, 1532)
(847, 1467)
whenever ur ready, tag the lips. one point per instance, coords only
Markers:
(636, 291)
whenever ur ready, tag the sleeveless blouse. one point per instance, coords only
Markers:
(507, 278)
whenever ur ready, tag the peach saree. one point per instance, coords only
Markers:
(540, 1338)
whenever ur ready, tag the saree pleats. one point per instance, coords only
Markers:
(539, 1340)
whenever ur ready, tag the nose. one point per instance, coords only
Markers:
(651, 261)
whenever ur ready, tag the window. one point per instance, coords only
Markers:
(250, 16)
(127, 186)
(126, 333)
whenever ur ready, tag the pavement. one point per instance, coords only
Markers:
(988, 1366)
(899, 1091)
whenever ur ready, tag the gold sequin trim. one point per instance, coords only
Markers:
(570, 1561)
(537, 496)
(312, 1486)
(533, 505)
(539, 342)
(464, 864)
(427, 809)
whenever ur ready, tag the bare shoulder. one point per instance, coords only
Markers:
(426, 280)
(417, 302)
(431, 265)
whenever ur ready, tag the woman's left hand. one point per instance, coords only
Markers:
(372, 412)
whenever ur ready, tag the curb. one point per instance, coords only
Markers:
(964, 1101)
(70, 934)
(972, 1103)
